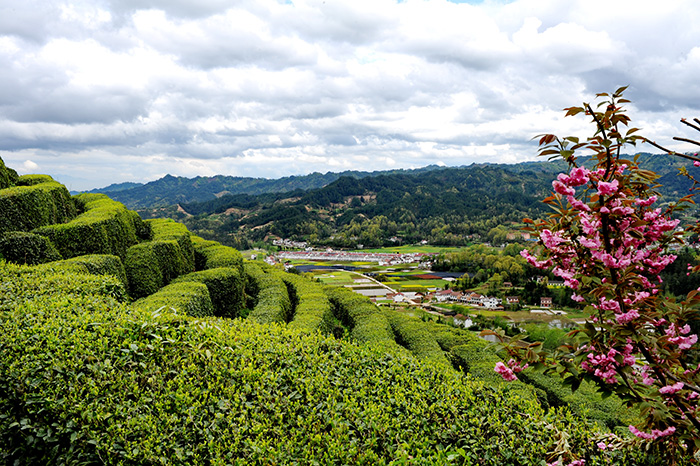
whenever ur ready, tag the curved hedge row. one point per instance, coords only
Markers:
(21, 284)
(8, 177)
(312, 310)
(153, 264)
(168, 229)
(212, 255)
(272, 303)
(22, 247)
(366, 322)
(96, 264)
(24, 208)
(31, 180)
(189, 298)
(414, 336)
(226, 289)
(105, 227)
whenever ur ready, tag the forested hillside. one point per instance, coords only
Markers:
(135, 342)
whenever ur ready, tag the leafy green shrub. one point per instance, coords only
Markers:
(23, 208)
(226, 289)
(273, 303)
(98, 264)
(27, 248)
(366, 322)
(312, 310)
(168, 229)
(143, 270)
(5, 181)
(23, 284)
(252, 273)
(412, 334)
(105, 227)
(31, 180)
(190, 298)
(211, 255)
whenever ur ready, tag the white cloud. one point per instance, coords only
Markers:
(101, 91)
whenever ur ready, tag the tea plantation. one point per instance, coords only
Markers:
(133, 342)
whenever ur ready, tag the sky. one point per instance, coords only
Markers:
(103, 91)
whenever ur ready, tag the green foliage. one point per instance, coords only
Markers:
(97, 264)
(226, 289)
(31, 180)
(312, 310)
(411, 333)
(23, 208)
(5, 181)
(21, 284)
(272, 297)
(87, 380)
(167, 229)
(189, 298)
(367, 323)
(27, 248)
(104, 227)
(143, 270)
(211, 255)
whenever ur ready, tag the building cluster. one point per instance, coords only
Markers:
(288, 243)
(471, 298)
(344, 256)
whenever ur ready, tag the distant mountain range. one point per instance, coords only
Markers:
(171, 190)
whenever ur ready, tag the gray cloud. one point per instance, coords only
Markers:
(105, 91)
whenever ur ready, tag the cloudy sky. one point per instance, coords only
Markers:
(100, 91)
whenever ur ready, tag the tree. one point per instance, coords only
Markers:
(609, 243)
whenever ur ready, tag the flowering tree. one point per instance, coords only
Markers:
(609, 243)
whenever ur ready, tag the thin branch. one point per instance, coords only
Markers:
(676, 138)
(685, 122)
(672, 152)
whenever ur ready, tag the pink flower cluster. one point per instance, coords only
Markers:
(655, 434)
(508, 372)
(675, 336)
(604, 365)
(671, 389)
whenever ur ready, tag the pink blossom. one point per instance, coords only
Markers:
(577, 298)
(562, 189)
(671, 389)
(696, 163)
(576, 204)
(627, 317)
(505, 371)
(605, 188)
(602, 445)
(646, 202)
(655, 433)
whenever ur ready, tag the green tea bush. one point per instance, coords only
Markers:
(24, 208)
(189, 298)
(168, 229)
(226, 289)
(98, 264)
(21, 284)
(411, 333)
(211, 255)
(143, 270)
(31, 180)
(312, 310)
(104, 227)
(6, 180)
(199, 244)
(252, 273)
(273, 303)
(27, 248)
(366, 322)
